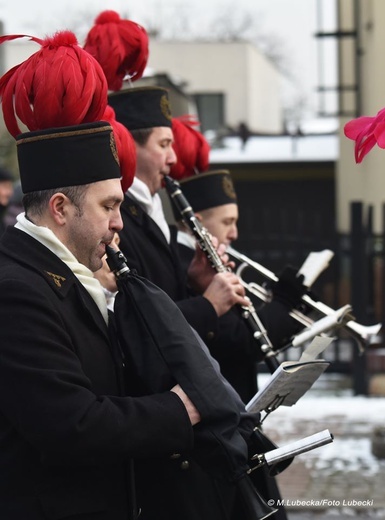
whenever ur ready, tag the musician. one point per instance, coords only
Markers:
(67, 430)
(147, 241)
(234, 348)
(212, 196)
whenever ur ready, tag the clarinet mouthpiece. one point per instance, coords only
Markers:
(116, 261)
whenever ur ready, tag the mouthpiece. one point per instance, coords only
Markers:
(117, 262)
(170, 183)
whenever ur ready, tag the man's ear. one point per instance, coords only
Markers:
(58, 207)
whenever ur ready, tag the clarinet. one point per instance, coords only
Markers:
(203, 238)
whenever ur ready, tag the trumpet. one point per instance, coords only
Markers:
(364, 334)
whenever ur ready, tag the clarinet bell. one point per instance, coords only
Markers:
(254, 506)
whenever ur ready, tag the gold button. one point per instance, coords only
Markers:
(185, 465)
(210, 335)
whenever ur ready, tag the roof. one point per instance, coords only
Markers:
(286, 148)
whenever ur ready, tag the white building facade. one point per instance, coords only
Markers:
(232, 82)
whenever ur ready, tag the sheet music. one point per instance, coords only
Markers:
(291, 380)
(316, 347)
(314, 264)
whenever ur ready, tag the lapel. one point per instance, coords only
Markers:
(91, 308)
(131, 209)
(57, 274)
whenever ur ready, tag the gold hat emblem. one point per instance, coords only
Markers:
(113, 148)
(165, 107)
(56, 278)
(228, 187)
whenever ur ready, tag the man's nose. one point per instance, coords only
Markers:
(117, 222)
(233, 235)
(171, 158)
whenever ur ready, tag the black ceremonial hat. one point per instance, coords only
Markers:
(67, 156)
(142, 107)
(209, 189)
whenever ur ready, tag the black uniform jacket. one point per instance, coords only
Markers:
(67, 432)
(147, 251)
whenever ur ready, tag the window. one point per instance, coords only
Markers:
(210, 111)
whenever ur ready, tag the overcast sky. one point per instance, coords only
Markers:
(292, 23)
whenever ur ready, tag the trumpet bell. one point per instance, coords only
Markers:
(369, 333)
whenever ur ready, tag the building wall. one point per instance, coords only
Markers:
(248, 80)
(2, 65)
(12, 53)
(263, 93)
(17, 51)
(250, 83)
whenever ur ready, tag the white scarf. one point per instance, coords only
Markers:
(185, 239)
(152, 205)
(85, 276)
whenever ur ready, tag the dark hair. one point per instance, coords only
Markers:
(141, 135)
(36, 202)
(5, 175)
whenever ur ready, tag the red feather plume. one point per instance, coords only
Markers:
(120, 46)
(191, 148)
(59, 85)
(125, 145)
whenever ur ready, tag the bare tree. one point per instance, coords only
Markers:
(178, 22)
(228, 25)
(232, 26)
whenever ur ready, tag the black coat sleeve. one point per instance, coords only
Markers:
(48, 398)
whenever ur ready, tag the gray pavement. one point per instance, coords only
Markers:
(315, 487)
(313, 494)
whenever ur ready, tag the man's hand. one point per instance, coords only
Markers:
(190, 408)
(200, 272)
(224, 291)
